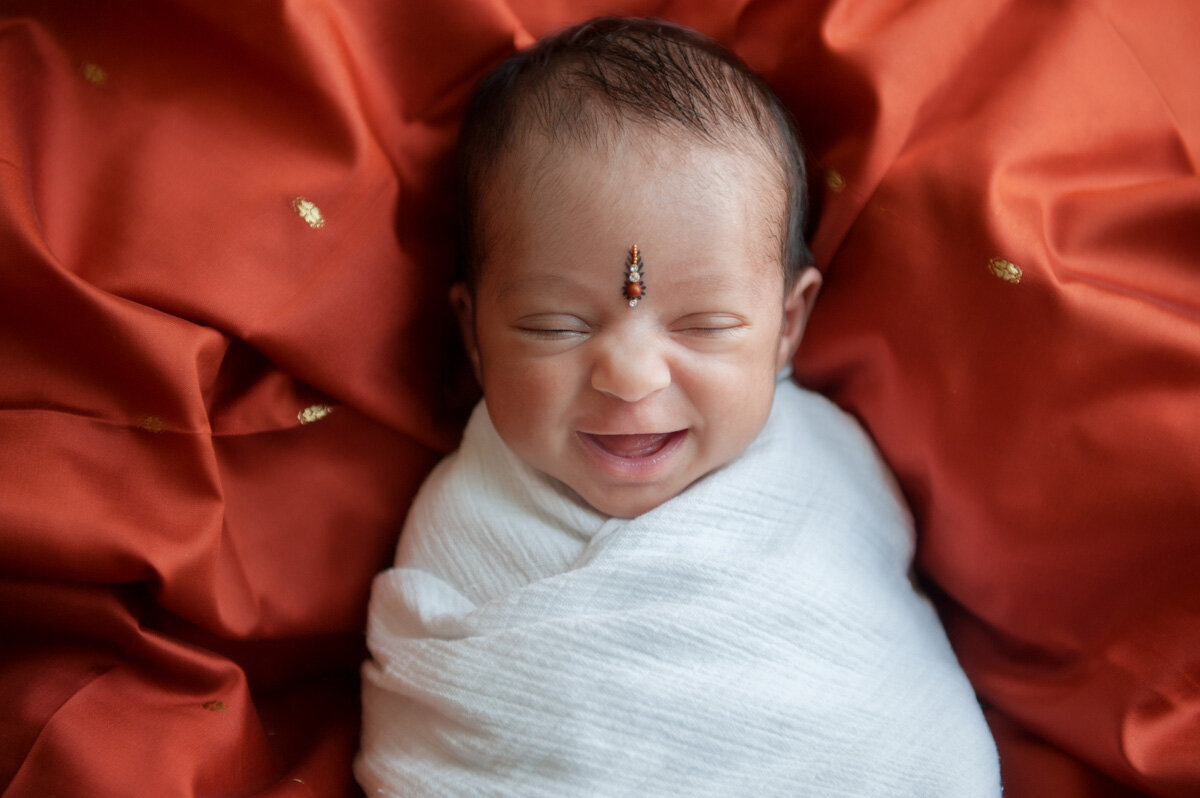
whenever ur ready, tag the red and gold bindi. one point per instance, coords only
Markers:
(634, 289)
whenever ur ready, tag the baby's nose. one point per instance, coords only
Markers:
(630, 370)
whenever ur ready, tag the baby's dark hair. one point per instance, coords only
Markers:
(582, 84)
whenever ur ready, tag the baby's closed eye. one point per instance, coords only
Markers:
(552, 327)
(709, 324)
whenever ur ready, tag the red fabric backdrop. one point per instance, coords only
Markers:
(223, 263)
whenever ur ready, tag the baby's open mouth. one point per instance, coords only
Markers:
(633, 447)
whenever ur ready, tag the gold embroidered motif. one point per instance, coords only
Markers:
(152, 424)
(92, 73)
(298, 781)
(835, 181)
(1007, 271)
(314, 413)
(309, 212)
(214, 706)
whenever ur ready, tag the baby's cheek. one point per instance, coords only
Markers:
(525, 397)
(548, 381)
(739, 403)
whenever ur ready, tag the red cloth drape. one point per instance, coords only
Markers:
(224, 342)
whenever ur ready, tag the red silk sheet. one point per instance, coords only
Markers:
(224, 254)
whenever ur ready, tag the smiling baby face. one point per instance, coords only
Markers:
(630, 405)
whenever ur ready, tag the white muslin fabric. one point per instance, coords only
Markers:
(756, 635)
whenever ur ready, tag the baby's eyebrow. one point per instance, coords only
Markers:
(724, 283)
(538, 281)
(717, 282)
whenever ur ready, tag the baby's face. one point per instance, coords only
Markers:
(630, 405)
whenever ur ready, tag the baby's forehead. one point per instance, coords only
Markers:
(699, 203)
(635, 159)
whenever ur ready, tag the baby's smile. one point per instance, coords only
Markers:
(637, 455)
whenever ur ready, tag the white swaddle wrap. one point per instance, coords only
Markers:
(756, 635)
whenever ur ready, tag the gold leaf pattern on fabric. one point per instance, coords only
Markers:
(93, 73)
(151, 424)
(214, 706)
(307, 210)
(314, 413)
(1006, 270)
(834, 181)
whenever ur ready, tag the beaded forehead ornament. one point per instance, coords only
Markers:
(634, 289)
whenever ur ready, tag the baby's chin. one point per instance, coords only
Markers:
(628, 501)
(626, 508)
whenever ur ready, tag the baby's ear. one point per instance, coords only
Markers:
(464, 311)
(796, 307)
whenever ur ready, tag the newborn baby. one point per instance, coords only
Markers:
(656, 566)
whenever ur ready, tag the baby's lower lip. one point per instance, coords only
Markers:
(632, 455)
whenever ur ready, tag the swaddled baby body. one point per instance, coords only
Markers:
(651, 569)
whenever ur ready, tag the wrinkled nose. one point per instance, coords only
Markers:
(629, 370)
